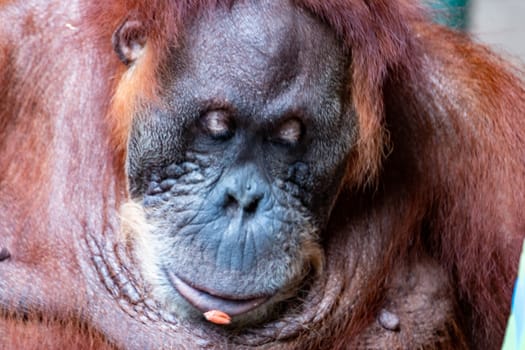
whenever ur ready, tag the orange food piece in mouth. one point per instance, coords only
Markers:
(217, 317)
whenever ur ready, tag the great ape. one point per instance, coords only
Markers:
(327, 174)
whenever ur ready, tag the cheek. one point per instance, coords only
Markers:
(179, 184)
(155, 152)
(327, 190)
(313, 187)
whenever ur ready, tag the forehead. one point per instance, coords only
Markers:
(265, 32)
(258, 47)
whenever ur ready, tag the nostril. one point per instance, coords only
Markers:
(231, 204)
(241, 194)
(246, 203)
(252, 204)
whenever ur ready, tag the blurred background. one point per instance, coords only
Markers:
(499, 23)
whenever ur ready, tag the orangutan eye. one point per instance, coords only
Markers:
(218, 124)
(289, 132)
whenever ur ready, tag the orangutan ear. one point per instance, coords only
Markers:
(129, 41)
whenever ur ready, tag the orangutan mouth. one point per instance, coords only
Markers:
(204, 301)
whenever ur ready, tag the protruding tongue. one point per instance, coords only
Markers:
(205, 302)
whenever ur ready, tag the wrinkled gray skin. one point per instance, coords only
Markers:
(235, 214)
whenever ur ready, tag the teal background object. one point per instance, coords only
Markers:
(453, 13)
(515, 335)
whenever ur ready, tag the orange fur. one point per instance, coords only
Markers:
(35, 334)
(136, 84)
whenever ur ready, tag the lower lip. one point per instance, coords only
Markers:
(204, 301)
